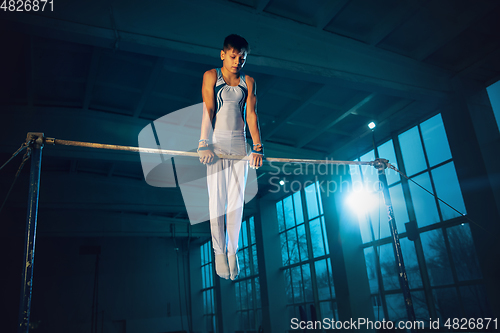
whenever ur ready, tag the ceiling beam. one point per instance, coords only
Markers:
(262, 4)
(473, 63)
(329, 11)
(153, 78)
(364, 139)
(66, 223)
(30, 72)
(311, 93)
(454, 27)
(169, 34)
(92, 76)
(390, 23)
(332, 120)
(333, 131)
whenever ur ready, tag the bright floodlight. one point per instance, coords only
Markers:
(362, 201)
(282, 182)
(371, 125)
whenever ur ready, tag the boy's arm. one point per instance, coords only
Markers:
(207, 92)
(253, 122)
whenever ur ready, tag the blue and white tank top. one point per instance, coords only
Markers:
(230, 104)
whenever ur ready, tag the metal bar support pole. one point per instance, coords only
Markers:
(381, 165)
(35, 141)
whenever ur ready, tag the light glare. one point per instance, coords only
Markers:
(363, 201)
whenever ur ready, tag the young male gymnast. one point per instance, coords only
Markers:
(229, 98)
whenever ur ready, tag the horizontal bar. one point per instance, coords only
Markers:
(53, 141)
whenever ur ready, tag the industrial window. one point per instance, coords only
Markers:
(247, 286)
(207, 271)
(494, 95)
(305, 256)
(442, 267)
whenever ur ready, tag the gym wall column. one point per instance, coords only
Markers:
(196, 286)
(344, 241)
(272, 281)
(475, 145)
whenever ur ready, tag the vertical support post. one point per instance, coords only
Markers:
(381, 165)
(36, 145)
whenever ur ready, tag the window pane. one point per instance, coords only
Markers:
(326, 310)
(308, 290)
(365, 228)
(436, 257)
(356, 183)
(448, 189)
(399, 206)
(396, 309)
(371, 269)
(322, 280)
(293, 246)
(318, 192)
(298, 287)
(249, 293)
(204, 277)
(312, 203)
(288, 285)
(252, 230)
(242, 262)
(316, 238)
(386, 151)
(411, 149)
(463, 252)
(301, 231)
(257, 293)
(379, 217)
(297, 202)
(378, 309)
(388, 267)
(475, 302)
(281, 218)
(237, 287)
(325, 238)
(248, 257)
(210, 275)
(435, 140)
(243, 234)
(411, 263)
(329, 266)
(284, 249)
(420, 306)
(446, 302)
(494, 96)
(288, 207)
(424, 203)
(255, 263)
(370, 174)
(244, 295)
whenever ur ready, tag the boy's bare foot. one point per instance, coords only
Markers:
(221, 266)
(234, 268)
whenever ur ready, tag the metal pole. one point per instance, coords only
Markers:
(36, 145)
(381, 165)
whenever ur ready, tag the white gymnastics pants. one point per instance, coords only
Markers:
(226, 180)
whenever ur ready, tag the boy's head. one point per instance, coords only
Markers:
(236, 42)
(234, 53)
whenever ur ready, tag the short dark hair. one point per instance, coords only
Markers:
(237, 42)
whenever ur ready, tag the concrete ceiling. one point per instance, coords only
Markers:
(100, 71)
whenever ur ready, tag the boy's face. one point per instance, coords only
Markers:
(233, 60)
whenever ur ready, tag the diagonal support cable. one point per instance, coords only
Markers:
(390, 166)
